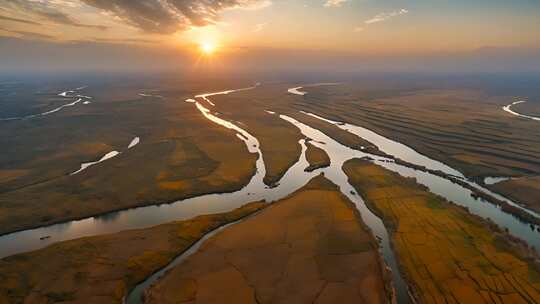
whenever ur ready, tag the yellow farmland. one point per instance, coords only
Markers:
(447, 254)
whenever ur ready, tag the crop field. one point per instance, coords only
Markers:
(448, 255)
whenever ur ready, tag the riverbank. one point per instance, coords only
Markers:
(446, 253)
(308, 247)
(103, 268)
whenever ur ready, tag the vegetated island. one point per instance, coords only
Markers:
(316, 157)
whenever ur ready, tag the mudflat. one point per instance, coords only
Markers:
(308, 248)
(447, 254)
(102, 269)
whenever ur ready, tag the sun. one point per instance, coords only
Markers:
(207, 48)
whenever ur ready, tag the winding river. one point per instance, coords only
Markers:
(492, 180)
(65, 94)
(409, 155)
(105, 157)
(508, 109)
(135, 141)
(293, 180)
(147, 216)
(296, 90)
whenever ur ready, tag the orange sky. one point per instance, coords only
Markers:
(355, 26)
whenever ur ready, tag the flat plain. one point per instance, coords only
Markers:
(314, 236)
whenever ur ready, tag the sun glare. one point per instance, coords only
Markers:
(207, 48)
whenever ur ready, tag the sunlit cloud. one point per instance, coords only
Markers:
(65, 3)
(28, 34)
(334, 3)
(358, 29)
(170, 16)
(250, 4)
(385, 16)
(150, 16)
(5, 18)
(124, 40)
(47, 10)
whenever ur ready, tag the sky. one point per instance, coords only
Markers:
(66, 33)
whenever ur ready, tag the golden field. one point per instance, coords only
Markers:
(447, 254)
(308, 248)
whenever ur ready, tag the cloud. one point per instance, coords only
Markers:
(385, 16)
(169, 16)
(6, 18)
(259, 27)
(334, 3)
(29, 35)
(61, 18)
(45, 10)
(358, 29)
(252, 5)
(124, 40)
